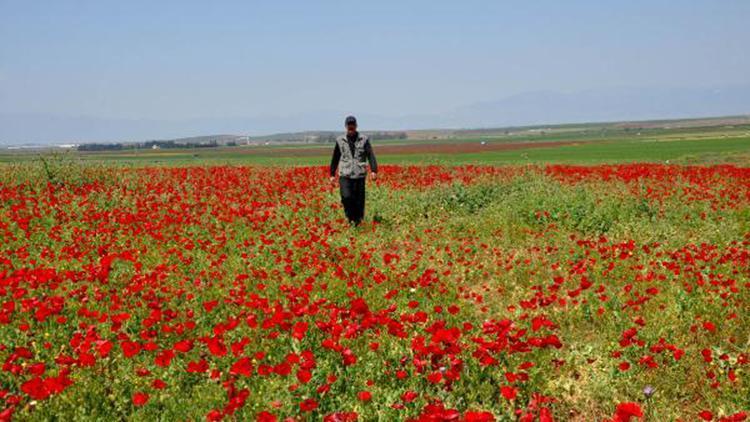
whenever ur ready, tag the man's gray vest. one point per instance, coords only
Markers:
(353, 167)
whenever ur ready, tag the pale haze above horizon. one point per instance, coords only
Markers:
(106, 70)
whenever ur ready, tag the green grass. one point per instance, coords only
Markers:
(704, 150)
(591, 146)
(605, 152)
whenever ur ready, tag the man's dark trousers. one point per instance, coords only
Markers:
(353, 198)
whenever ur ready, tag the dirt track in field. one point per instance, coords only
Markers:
(426, 148)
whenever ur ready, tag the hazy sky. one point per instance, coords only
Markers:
(208, 59)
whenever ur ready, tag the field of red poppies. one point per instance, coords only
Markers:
(471, 294)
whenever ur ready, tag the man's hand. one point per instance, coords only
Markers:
(332, 179)
(373, 175)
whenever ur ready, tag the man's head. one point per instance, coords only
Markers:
(351, 125)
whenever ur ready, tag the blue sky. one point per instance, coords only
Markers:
(200, 59)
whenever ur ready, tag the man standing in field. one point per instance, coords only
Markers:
(351, 154)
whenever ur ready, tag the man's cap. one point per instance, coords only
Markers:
(350, 120)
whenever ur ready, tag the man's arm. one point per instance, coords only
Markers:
(335, 159)
(371, 157)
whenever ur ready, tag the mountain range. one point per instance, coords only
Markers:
(530, 108)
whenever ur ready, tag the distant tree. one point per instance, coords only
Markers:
(100, 147)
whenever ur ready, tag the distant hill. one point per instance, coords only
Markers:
(532, 108)
(610, 104)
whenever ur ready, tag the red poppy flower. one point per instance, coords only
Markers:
(364, 395)
(308, 405)
(243, 366)
(140, 399)
(706, 415)
(509, 393)
(130, 348)
(625, 411)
